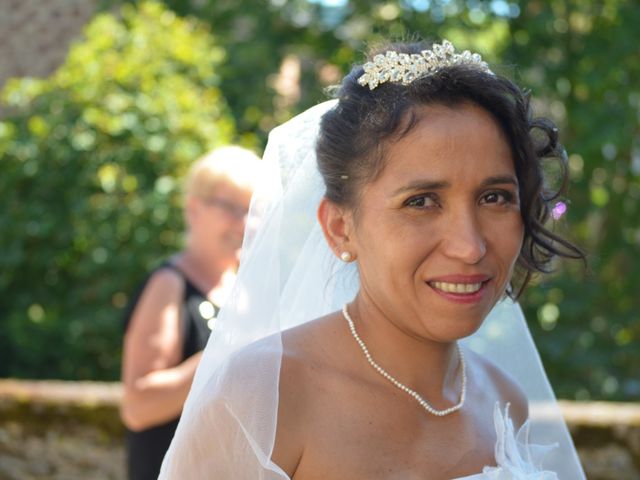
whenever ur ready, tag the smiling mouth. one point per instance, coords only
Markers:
(457, 288)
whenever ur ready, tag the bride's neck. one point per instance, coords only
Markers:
(423, 364)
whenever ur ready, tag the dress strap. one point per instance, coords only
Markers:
(190, 287)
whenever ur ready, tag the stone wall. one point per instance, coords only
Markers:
(71, 430)
(35, 34)
(607, 436)
(60, 431)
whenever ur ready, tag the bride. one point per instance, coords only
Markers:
(372, 333)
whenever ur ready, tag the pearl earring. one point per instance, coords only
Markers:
(345, 256)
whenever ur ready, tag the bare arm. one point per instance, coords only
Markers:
(155, 383)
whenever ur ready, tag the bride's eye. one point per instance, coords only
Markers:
(421, 201)
(500, 197)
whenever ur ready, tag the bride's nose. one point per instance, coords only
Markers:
(463, 238)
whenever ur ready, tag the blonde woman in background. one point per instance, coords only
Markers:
(168, 322)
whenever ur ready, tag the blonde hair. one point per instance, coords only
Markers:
(234, 165)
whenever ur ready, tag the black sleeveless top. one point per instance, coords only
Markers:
(146, 448)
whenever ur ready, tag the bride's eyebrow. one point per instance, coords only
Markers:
(421, 184)
(426, 184)
(500, 180)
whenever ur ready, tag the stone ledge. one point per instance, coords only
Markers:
(59, 392)
(39, 406)
(600, 414)
(87, 394)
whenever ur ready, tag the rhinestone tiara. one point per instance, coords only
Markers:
(404, 68)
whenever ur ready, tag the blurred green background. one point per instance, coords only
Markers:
(91, 157)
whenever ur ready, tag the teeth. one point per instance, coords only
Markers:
(457, 287)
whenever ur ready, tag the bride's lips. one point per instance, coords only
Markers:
(464, 289)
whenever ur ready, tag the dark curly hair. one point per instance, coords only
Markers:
(353, 136)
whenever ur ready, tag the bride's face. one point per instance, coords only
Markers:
(438, 232)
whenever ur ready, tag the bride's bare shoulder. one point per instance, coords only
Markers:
(299, 345)
(312, 354)
(313, 339)
(310, 359)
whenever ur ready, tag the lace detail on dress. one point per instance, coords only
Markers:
(516, 459)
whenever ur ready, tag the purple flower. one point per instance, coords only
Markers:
(559, 210)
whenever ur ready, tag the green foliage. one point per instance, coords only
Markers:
(324, 39)
(90, 157)
(577, 56)
(89, 162)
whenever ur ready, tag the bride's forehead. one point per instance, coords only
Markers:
(451, 125)
(460, 146)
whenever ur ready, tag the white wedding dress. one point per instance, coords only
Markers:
(516, 458)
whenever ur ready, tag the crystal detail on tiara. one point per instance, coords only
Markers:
(403, 68)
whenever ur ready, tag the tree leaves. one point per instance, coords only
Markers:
(90, 162)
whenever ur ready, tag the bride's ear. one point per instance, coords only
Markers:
(336, 223)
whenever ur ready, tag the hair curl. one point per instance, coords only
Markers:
(353, 136)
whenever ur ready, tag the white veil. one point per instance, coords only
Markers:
(289, 276)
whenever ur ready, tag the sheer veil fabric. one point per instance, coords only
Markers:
(288, 276)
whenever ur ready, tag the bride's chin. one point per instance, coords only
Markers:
(453, 330)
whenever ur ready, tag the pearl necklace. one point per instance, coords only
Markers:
(423, 403)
